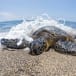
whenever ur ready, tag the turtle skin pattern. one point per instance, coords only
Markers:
(66, 47)
(38, 46)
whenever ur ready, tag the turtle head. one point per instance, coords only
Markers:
(37, 46)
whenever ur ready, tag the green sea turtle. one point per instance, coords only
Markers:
(47, 37)
(43, 39)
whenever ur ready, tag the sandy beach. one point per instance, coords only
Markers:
(51, 63)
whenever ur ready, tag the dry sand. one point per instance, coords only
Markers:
(51, 63)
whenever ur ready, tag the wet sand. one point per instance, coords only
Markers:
(51, 63)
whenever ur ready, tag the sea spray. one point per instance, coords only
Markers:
(25, 29)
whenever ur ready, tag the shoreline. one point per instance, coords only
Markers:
(51, 63)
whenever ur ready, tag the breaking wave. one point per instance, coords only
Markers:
(27, 27)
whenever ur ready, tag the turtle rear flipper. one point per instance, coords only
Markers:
(66, 47)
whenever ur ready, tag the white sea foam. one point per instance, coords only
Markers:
(26, 28)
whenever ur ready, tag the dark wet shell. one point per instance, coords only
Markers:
(51, 29)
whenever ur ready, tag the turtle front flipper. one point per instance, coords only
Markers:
(66, 47)
(13, 43)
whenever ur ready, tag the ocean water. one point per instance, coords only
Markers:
(69, 23)
(7, 25)
(24, 28)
